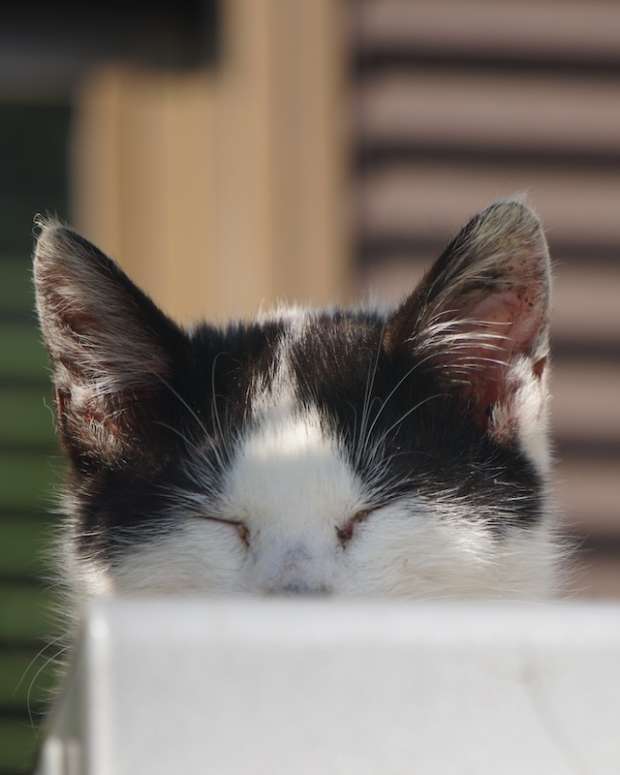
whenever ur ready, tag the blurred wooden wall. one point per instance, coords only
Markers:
(220, 191)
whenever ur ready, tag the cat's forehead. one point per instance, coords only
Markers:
(312, 334)
(302, 386)
(289, 439)
(326, 358)
(290, 466)
(290, 448)
(289, 355)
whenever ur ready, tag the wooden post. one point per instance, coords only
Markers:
(221, 191)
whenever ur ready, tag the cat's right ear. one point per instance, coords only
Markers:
(113, 353)
(480, 319)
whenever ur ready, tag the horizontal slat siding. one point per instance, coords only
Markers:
(585, 301)
(548, 29)
(435, 197)
(588, 495)
(432, 110)
(586, 403)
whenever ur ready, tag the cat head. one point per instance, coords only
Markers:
(351, 452)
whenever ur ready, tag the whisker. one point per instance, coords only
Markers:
(215, 415)
(30, 664)
(395, 388)
(36, 675)
(183, 402)
(404, 417)
(367, 393)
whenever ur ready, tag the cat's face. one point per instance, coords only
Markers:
(346, 452)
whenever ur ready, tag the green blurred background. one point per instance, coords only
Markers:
(33, 160)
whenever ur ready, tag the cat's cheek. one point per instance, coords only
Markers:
(195, 557)
(417, 555)
(377, 560)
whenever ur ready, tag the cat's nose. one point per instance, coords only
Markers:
(292, 570)
(298, 588)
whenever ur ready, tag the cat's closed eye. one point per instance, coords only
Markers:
(241, 528)
(346, 531)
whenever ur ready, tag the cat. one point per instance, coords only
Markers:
(350, 452)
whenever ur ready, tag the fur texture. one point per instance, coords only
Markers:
(353, 452)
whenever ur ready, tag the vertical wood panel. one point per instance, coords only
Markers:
(143, 180)
(223, 191)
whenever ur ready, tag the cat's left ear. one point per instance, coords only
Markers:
(114, 354)
(480, 317)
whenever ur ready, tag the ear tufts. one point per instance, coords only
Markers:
(501, 248)
(482, 309)
(111, 348)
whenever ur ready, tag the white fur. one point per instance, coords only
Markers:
(527, 409)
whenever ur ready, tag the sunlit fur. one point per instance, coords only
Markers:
(233, 461)
(292, 485)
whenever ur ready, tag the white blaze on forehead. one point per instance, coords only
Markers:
(290, 483)
(290, 472)
(289, 469)
(292, 487)
(277, 393)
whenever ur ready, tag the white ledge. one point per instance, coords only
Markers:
(308, 686)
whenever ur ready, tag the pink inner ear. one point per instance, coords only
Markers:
(502, 327)
(516, 315)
